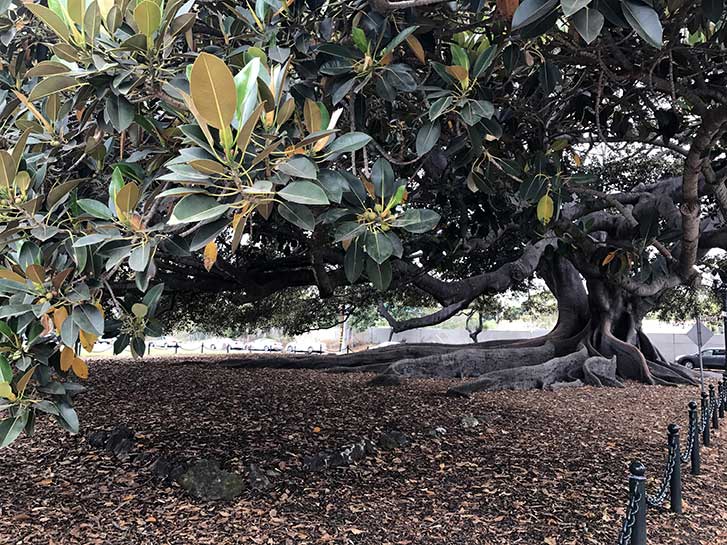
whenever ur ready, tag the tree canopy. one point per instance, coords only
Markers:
(157, 147)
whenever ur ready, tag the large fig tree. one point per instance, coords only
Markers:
(151, 148)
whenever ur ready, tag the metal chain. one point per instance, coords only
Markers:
(707, 416)
(624, 536)
(690, 443)
(658, 499)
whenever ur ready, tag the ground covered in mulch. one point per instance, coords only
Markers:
(542, 468)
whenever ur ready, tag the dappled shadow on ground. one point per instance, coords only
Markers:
(543, 467)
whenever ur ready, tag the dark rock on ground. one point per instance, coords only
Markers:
(469, 422)
(257, 479)
(344, 456)
(207, 481)
(439, 431)
(168, 469)
(393, 439)
(118, 442)
(98, 438)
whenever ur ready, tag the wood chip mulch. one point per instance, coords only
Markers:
(542, 468)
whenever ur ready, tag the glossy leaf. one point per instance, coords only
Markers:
(532, 11)
(299, 167)
(644, 20)
(588, 23)
(427, 137)
(195, 208)
(351, 141)
(298, 215)
(304, 193)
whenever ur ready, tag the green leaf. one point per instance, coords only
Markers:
(379, 274)
(348, 230)
(52, 85)
(382, 176)
(6, 372)
(152, 297)
(351, 141)
(69, 332)
(397, 198)
(359, 39)
(88, 318)
(399, 38)
(304, 193)
(417, 221)
(115, 185)
(95, 208)
(532, 11)
(47, 407)
(588, 23)
(94, 238)
(484, 61)
(298, 215)
(459, 57)
(139, 258)
(354, 261)
(570, 7)
(378, 246)
(644, 20)
(246, 87)
(333, 183)
(67, 417)
(438, 107)
(140, 310)
(10, 428)
(194, 208)
(148, 18)
(55, 23)
(92, 21)
(427, 136)
(299, 167)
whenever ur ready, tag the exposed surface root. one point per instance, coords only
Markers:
(561, 369)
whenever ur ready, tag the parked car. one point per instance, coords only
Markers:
(237, 344)
(166, 341)
(218, 343)
(308, 346)
(264, 345)
(711, 357)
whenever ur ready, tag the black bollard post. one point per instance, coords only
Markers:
(713, 405)
(637, 487)
(694, 426)
(675, 482)
(176, 347)
(201, 348)
(720, 398)
(705, 420)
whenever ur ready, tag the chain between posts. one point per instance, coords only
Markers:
(714, 408)
(658, 499)
(632, 509)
